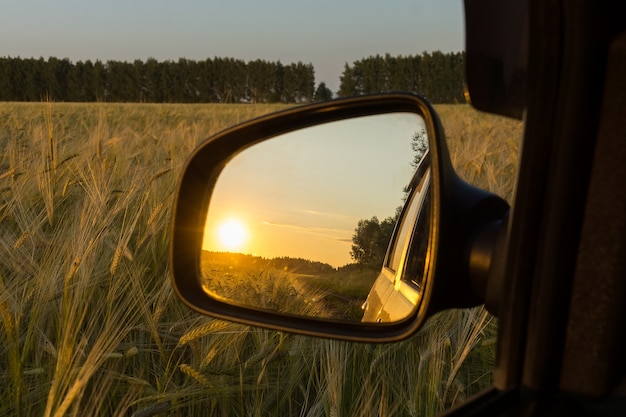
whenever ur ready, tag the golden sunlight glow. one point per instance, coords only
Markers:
(232, 234)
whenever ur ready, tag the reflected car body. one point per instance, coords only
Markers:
(396, 291)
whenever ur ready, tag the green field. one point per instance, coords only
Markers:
(89, 324)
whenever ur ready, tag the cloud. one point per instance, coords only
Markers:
(341, 235)
(326, 214)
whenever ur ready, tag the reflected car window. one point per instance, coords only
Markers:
(407, 223)
(415, 264)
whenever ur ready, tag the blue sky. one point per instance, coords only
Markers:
(326, 33)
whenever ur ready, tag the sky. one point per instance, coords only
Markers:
(326, 33)
(302, 194)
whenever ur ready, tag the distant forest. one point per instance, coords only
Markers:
(438, 76)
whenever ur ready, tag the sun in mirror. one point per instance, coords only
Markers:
(301, 223)
(232, 235)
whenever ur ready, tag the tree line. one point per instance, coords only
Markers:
(217, 80)
(436, 75)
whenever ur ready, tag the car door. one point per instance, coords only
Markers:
(395, 293)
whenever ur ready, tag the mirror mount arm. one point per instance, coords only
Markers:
(466, 215)
(469, 221)
(486, 262)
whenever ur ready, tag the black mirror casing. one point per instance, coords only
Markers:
(457, 213)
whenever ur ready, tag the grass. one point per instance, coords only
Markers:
(89, 324)
(288, 285)
(254, 281)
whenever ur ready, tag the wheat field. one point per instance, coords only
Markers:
(89, 324)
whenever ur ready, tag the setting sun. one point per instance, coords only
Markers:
(232, 234)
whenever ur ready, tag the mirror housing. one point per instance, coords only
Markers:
(457, 214)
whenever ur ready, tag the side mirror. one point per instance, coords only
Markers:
(341, 219)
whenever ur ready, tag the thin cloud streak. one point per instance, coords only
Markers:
(329, 233)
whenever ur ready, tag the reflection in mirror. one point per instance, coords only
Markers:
(301, 223)
(397, 289)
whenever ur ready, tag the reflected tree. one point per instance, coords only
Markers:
(371, 239)
(419, 144)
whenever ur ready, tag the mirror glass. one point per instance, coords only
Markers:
(301, 223)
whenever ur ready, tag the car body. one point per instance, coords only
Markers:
(396, 291)
(552, 269)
